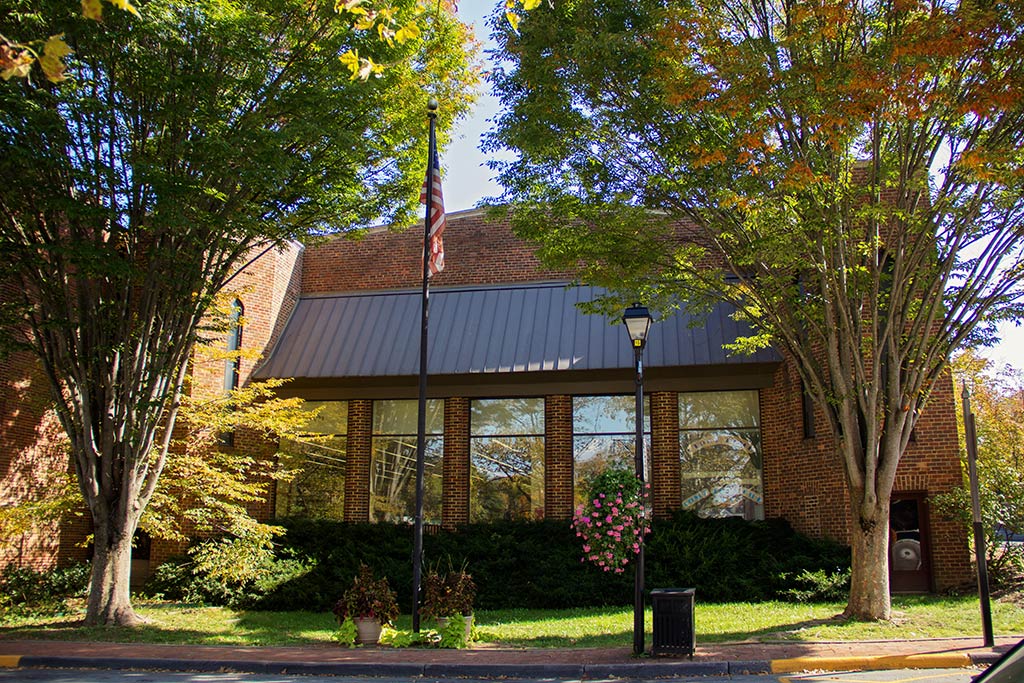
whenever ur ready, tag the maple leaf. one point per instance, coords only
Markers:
(126, 5)
(408, 32)
(92, 9)
(351, 60)
(52, 60)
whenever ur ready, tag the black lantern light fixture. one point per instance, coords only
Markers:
(637, 320)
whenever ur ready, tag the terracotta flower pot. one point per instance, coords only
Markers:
(367, 630)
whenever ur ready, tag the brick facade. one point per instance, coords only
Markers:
(802, 477)
(455, 465)
(558, 475)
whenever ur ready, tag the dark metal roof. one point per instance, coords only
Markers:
(495, 330)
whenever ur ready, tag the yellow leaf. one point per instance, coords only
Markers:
(365, 22)
(52, 59)
(125, 5)
(92, 9)
(513, 20)
(350, 6)
(351, 60)
(56, 46)
(408, 32)
(530, 4)
(386, 34)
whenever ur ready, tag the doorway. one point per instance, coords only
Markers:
(909, 552)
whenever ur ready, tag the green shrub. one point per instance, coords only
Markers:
(179, 578)
(537, 564)
(26, 592)
(819, 586)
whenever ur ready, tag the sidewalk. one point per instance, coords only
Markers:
(484, 661)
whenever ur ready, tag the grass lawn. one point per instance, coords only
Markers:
(914, 617)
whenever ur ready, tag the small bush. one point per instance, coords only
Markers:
(818, 586)
(180, 578)
(26, 592)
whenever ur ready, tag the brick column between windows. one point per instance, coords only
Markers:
(455, 501)
(558, 485)
(666, 488)
(357, 466)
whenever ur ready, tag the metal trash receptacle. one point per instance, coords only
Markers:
(673, 621)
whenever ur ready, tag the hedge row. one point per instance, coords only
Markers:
(537, 564)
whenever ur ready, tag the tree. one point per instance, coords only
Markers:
(186, 141)
(847, 174)
(996, 401)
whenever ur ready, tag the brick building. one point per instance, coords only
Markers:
(528, 397)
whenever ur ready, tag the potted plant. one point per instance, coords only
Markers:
(369, 603)
(450, 595)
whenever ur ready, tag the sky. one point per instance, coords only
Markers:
(467, 179)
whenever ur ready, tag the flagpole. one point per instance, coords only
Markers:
(421, 418)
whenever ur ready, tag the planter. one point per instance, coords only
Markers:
(442, 624)
(367, 630)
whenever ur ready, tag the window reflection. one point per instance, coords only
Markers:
(507, 459)
(720, 452)
(315, 465)
(604, 437)
(393, 462)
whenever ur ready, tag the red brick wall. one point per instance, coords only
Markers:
(357, 464)
(478, 254)
(455, 464)
(666, 485)
(558, 461)
(33, 453)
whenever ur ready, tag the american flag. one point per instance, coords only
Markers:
(437, 219)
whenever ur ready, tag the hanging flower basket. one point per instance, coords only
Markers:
(614, 521)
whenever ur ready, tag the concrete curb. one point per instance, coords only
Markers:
(652, 669)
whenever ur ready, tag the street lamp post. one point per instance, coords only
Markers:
(637, 320)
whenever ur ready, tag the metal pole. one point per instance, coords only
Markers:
(971, 437)
(638, 584)
(421, 417)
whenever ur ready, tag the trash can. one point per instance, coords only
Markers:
(673, 621)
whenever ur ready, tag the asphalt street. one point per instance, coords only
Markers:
(105, 676)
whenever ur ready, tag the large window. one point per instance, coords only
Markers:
(507, 459)
(393, 464)
(314, 462)
(604, 436)
(720, 450)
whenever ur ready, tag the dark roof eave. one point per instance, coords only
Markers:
(543, 383)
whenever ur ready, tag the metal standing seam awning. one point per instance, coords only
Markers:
(502, 341)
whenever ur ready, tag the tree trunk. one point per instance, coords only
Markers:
(869, 583)
(110, 594)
